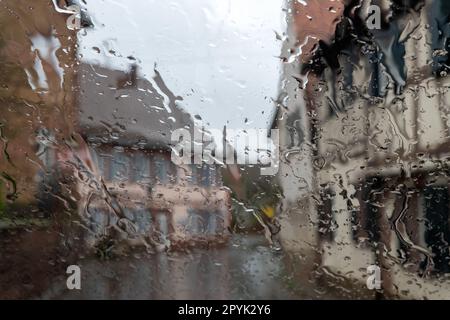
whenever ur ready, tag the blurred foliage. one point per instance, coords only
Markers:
(255, 197)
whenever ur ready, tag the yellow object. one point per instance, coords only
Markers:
(269, 211)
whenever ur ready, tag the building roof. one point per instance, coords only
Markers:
(122, 108)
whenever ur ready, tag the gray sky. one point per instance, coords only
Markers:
(219, 55)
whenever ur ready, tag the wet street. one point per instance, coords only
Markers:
(246, 268)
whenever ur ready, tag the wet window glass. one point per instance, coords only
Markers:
(224, 149)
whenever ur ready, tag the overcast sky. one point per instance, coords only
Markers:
(219, 55)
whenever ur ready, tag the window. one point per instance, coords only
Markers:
(120, 166)
(141, 167)
(437, 234)
(161, 167)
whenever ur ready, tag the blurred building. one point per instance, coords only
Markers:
(83, 138)
(37, 59)
(366, 128)
(127, 123)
